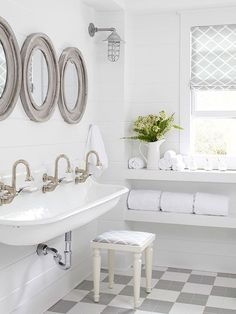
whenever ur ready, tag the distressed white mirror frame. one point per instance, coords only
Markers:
(11, 91)
(35, 112)
(72, 116)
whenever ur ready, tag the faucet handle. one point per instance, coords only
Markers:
(69, 170)
(29, 178)
(45, 177)
(79, 171)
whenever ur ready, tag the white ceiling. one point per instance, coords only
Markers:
(105, 5)
(173, 5)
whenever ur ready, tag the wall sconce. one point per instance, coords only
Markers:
(114, 41)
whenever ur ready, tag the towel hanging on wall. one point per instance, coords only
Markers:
(95, 142)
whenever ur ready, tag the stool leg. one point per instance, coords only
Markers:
(137, 277)
(111, 255)
(148, 260)
(96, 273)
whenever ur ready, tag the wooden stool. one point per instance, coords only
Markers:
(129, 241)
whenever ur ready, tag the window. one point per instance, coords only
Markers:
(213, 89)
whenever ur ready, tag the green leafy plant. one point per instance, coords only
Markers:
(153, 128)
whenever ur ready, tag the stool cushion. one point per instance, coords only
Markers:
(124, 237)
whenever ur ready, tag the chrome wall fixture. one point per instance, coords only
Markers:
(43, 249)
(83, 174)
(114, 41)
(53, 181)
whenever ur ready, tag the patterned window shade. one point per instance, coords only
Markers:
(213, 64)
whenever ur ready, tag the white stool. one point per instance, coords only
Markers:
(130, 241)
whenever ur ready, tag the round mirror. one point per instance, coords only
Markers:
(40, 85)
(3, 70)
(38, 77)
(71, 85)
(10, 70)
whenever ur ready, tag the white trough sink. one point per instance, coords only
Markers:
(35, 218)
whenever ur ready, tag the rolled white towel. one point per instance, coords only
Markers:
(180, 166)
(164, 164)
(211, 204)
(177, 202)
(136, 163)
(176, 159)
(144, 200)
(169, 154)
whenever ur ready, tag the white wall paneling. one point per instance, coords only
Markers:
(144, 80)
(153, 83)
(28, 283)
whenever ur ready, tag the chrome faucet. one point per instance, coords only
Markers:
(28, 172)
(54, 181)
(10, 192)
(83, 174)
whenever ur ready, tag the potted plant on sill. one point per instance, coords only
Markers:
(151, 130)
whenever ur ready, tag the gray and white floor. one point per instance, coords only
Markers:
(175, 291)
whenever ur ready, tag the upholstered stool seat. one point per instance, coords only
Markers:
(123, 240)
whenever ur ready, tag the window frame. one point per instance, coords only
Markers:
(188, 112)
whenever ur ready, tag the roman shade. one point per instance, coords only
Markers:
(213, 57)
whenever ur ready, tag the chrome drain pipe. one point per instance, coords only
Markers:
(43, 249)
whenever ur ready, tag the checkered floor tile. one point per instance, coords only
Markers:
(175, 291)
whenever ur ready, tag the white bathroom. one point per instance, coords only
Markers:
(118, 157)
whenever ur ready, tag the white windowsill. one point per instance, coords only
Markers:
(215, 176)
(181, 219)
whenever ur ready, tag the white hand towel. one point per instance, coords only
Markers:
(144, 200)
(169, 154)
(211, 204)
(95, 142)
(177, 202)
(164, 164)
(136, 163)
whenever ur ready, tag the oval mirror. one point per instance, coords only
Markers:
(10, 70)
(73, 85)
(38, 77)
(3, 70)
(40, 85)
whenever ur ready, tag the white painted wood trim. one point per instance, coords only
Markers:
(181, 219)
(148, 266)
(96, 273)
(111, 260)
(215, 114)
(215, 176)
(137, 278)
(123, 247)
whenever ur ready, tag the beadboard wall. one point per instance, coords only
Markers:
(144, 80)
(152, 84)
(29, 284)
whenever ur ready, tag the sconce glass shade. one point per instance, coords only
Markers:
(114, 41)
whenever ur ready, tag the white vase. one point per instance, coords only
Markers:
(153, 154)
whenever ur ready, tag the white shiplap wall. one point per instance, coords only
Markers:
(29, 284)
(152, 84)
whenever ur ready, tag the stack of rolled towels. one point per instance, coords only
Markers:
(172, 161)
(199, 203)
